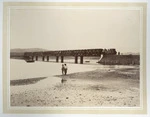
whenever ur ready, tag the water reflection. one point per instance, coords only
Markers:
(63, 80)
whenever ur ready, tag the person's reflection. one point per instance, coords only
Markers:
(63, 80)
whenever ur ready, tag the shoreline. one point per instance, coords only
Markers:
(102, 88)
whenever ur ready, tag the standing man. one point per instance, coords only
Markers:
(65, 68)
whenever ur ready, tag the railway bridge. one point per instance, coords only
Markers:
(34, 56)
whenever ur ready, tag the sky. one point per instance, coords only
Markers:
(61, 29)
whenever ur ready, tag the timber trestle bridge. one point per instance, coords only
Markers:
(34, 56)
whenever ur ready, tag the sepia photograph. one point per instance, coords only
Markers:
(75, 56)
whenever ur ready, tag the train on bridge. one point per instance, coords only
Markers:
(33, 56)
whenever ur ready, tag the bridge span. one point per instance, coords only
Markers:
(33, 56)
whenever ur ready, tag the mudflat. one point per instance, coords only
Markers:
(97, 88)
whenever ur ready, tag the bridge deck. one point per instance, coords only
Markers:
(82, 52)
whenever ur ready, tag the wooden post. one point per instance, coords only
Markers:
(36, 58)
(57, 58)
(81, 59)
(76, 59)
(43, 58)
(47, 58)
(32, 57)
(62, 59)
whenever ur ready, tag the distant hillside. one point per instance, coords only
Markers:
(19, 50)
(18, 53)
(131, 53)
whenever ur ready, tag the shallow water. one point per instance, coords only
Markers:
(19, 69)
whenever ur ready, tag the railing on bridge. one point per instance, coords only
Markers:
(62, 53)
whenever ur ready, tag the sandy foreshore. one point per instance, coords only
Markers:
(97, 88)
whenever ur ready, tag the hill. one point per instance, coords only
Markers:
(18, 53)
(19, 50)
